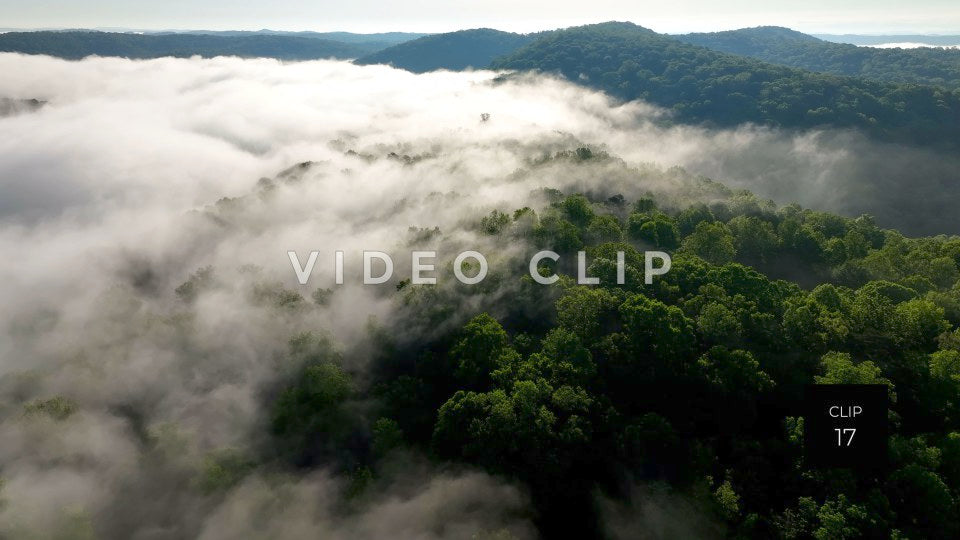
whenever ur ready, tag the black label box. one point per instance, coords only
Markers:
(845, 425)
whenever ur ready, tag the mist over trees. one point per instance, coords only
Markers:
(80, 44)
(704, 86)
(692, 384)
(721, 79)
(163, 373)
(695, 382)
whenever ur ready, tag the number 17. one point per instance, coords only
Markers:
(842, 432)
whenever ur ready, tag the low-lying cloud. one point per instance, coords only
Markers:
(135, 174)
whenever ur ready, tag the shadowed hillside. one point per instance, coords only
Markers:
(791, 48)
(705, 86)
(80, 44)
(455, 50)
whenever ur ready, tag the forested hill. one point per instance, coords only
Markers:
(693, 383)
(700, 85)
(80, 44)
(455, 50)
(379, 39)
(705, 86)
(791, 48)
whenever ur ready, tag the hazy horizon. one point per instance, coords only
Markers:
(933, 17)
(421, 31)
(124, 29)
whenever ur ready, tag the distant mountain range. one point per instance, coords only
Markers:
(768, 75)
(790, 48)
(80, 44)
(455, 50)
(385, 38)
(704, 86)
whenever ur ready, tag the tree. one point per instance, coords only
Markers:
(604, 228)
(718, 324)
(727, 499)
(838, 519)
(945, 366)
(944, 391)
(690, 217)
(58, 408)
(657, 230)
(312, 408)
(917, 323)
(482, 347)
(563, 360)
(530, 430)
(818, 321)
(712, 242)
(839, 368)
(755, 240)
(494, 223)
(942, 271)
(577, 210)
(588, 312)
(656, 330)
(387, 435)
(733, 371)
(558, 234)
(924, 505)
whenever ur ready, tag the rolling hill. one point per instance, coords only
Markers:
(745, 81)
(790, 48)
(75, 45)
(379, 39)
(705, 86)
(454, 51)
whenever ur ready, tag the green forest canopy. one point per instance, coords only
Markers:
(866, 89)
(80, 44)
(454, 51)
(692, 383)
(930, 66)
(705, 86)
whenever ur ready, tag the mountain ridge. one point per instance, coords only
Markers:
(473, 48)
(74, 45)
(703, 86)
(791, 48)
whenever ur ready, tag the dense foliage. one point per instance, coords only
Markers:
(80, 44)
(455, 50)
(692, 384)
(688, 390)
(790, 48)
(705, 86)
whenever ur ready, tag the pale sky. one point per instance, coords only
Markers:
(672, 16)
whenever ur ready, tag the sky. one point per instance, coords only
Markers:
(812, 16)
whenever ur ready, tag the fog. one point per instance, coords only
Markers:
(654, 512)
(135, 174)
